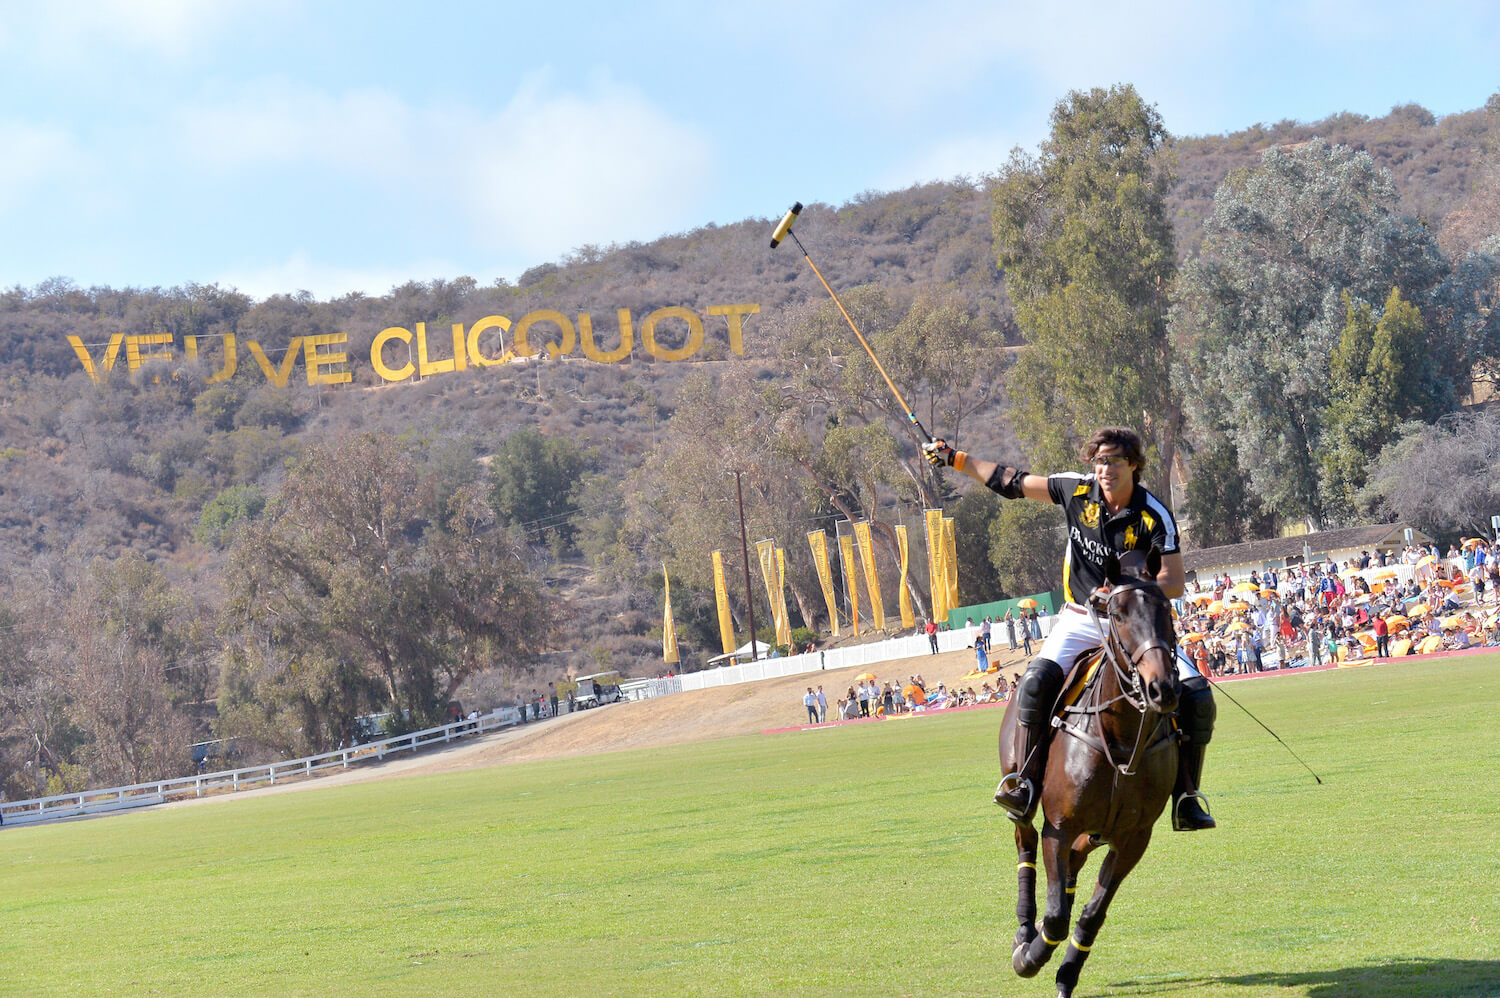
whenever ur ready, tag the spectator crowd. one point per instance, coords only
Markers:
(1383, 605)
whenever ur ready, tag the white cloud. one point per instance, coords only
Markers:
(79, 33)
(300, 272)
(34, 156)
(544, 173)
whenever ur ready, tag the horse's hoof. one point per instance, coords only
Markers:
(1021, 965)
(1024, 935)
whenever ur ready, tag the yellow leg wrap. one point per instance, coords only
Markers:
(1070, 890)
(1023, 866)
(1052, 942)
(1080, 947)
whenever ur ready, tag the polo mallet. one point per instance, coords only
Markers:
(781, 232)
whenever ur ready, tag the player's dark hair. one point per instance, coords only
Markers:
(1126, 439)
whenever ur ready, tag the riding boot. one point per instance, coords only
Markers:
(1195, 716)
(1188, 813)
(1036, 697)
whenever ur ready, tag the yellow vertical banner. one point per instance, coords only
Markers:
(950, 561)
(668, 629)
(783, 619)
(766, 550)
(872, 574)
(936, 573)
(846, 556)
(721, 597)
(908, 620)
(818, 541)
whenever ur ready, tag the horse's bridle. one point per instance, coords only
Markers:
(1130, 679)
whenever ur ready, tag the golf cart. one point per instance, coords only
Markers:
(595, 690)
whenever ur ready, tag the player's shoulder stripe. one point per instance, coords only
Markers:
(1081, 483)
(1169, 523)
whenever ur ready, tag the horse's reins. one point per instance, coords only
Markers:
(1129, 681)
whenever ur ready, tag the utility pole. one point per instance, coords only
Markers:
(745, 553)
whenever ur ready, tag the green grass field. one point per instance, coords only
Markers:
(862, 860)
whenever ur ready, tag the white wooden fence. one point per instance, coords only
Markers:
(21, 812)
(913, 646)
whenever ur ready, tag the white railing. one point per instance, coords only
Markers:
(21, 812)
(912, 646)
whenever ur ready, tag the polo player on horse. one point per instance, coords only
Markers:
(1107, 512)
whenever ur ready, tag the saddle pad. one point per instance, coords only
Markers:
(1084, 668)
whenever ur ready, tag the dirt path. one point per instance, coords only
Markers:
(699, 715)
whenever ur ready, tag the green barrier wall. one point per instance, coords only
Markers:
(1052, 601)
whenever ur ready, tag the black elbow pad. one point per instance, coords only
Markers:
(1007, 482)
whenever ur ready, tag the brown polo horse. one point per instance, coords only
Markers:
(1109, 773)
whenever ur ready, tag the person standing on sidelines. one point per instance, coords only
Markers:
(932, 635)
(1108, 512)
(822, 705)
(810, 701)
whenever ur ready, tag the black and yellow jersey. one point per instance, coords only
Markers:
(1144, 523)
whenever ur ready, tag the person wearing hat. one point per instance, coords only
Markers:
(1108, 512)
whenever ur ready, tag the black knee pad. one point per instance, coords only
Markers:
(1196, 710)
(1037, 690)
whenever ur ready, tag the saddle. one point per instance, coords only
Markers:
(1082, 672)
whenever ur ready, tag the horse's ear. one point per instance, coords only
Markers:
(1112, 568)
(1153, 563)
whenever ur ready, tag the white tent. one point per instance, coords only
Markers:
(741, 654)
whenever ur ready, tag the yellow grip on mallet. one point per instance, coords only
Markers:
(786, 225)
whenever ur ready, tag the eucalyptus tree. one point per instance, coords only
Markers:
(1261, 313)
(1082, 233)
(344, 598)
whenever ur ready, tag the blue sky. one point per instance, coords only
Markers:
(278, 145)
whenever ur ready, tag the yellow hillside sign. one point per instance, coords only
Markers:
(398, 353)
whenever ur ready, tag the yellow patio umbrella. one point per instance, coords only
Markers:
(1028, 604)
(1426, 560)
(1238, 625)
(1215, 608)
(1397, 620)
(1418, 609)
(1350, 573)
(1472, 542)
(1268, 592)
(1454, 621)
(865, 677)
(1385, 573)
(1193, 636)
(1246, 587)
(1203, 598)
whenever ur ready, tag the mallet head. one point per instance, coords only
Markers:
(786, 225)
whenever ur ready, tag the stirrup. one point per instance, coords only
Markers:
(1016, 780)
(1177, 823)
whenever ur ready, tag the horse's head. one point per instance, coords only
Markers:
(1140, 618)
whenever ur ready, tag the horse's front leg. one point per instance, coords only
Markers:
(1026, 839)
(1117, 864)
(1055, 854)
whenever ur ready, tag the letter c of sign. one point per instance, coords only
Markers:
(378, 362)
(484, 325)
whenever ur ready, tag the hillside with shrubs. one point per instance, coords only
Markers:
(159, 587)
